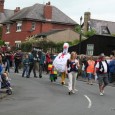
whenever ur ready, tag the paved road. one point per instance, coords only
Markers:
(36, 96)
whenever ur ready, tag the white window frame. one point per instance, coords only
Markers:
(33, 25)
(18, 44)
(90, 49)
(7, 44)
(19, 26)
(7, 28)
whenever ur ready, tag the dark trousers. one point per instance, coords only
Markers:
(32, 67)
(40, 69)
(7, 66)
(47, 67)
(17, 67)
(112, 77)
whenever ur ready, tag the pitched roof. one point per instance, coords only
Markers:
(35, 12)
(102, 26)
(7, 14)
(44, 34)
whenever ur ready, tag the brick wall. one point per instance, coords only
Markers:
(26, 30)
(20, 36)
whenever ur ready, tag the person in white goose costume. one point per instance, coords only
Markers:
(60, 62)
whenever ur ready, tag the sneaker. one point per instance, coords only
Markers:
(10, 88)
(40, 76)
(76, 90)
(73, 91)
(101, 94)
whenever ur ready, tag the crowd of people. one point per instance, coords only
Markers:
(65, 63)
(102, 69)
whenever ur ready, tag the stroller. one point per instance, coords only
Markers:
(6, 83)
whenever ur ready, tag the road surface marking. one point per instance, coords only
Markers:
(89, 100)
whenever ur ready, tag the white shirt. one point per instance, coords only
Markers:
(104, 65)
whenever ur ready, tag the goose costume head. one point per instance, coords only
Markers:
(65, 48)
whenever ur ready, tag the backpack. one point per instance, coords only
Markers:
(101, 67)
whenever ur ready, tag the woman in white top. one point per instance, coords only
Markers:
(72, 71)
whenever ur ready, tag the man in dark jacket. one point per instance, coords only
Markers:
(17, 60)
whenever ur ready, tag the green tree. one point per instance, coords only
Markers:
(26, 46)
(87, 34)
(90, 33)
(78, 29)
(113, 35)
(1, 42)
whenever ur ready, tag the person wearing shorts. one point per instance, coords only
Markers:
(103, 79)
(102, 70)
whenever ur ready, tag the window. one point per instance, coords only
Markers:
(7, 44)
(105, 30)
(33, 25)
(19, 26)
(7, 28)
(90, 49)
(18, 44)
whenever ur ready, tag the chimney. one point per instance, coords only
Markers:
(16, 10)
(86, 21)
(48, 11)
(2, 6)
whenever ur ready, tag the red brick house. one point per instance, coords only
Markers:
(34, 20)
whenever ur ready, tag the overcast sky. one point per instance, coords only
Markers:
(100, 9)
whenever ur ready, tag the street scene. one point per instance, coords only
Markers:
(40, 96)
(57, 57)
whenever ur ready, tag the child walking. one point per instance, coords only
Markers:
(25, 65)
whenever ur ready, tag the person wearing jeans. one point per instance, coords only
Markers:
(25, 65)
(72, 71)
(90, 69)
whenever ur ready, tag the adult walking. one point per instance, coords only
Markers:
(17, 60)
(34, 62)
(72, 71)
(84, 67)
(48, 61)
(102, 70)
(7, 60)
(1, 69)
(41, 63)
(90, 69)
(112, 69)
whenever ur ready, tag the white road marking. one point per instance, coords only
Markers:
(89, 100)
